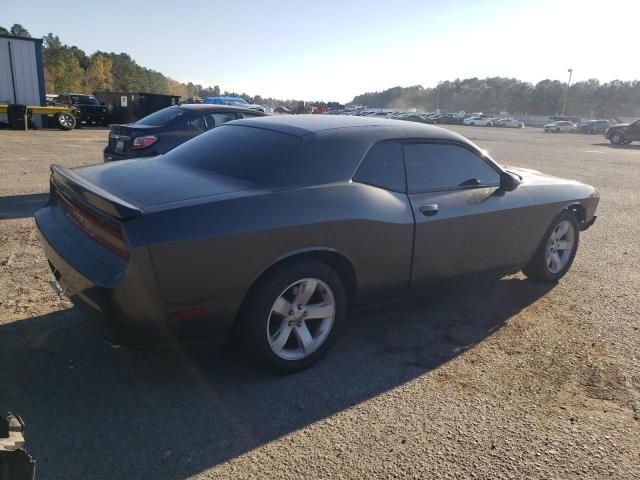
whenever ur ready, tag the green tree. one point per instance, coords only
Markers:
(19, 31)
(99, 76)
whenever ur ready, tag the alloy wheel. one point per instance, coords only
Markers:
(560, 246)
(301, 319)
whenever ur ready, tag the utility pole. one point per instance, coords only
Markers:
(438, 96)
(566, 91)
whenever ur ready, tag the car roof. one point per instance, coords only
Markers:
(213, 106)
(302, 125)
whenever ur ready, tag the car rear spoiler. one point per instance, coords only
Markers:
(92, 194)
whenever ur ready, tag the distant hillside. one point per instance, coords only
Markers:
(495, 95)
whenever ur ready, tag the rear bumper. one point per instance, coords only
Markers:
(109, 155)
(122, 299)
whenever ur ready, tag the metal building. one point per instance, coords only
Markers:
(21, 71)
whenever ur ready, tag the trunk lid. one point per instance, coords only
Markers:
(144, 184)
(121, 136)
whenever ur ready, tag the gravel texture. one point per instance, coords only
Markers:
(500, 379)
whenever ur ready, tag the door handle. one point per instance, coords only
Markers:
(429, 210)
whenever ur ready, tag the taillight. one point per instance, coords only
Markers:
(107, 234)
(143, 142)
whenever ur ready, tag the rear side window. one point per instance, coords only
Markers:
(161, 117)
(433, 166)
(383, 167)
(236, 151)
(218, 118)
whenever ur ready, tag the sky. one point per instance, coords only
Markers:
(334, 50)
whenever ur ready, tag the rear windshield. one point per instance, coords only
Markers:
(237, 151)
(161, 117)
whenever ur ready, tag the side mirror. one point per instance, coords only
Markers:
(509, 181)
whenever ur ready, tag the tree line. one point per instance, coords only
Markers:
(70, 69)
(494, 95)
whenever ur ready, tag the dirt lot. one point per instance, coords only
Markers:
(505, 379)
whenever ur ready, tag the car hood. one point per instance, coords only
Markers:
(620, 125)
(157, 182)
(530, 176)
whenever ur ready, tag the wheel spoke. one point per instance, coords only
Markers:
(562, 229)
(304, 337)
(322, 310)
(555, 261)
(280, 338)
(306, 291)
(282, 307)
(565, 245)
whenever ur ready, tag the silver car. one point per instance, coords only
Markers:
(560, 126)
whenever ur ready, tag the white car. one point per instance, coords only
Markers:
(560, 126)
(479, 121)
(509, 123)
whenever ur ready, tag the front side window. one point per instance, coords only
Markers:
(383, 167)
(434, 166)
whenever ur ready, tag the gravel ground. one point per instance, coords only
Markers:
(504, 379)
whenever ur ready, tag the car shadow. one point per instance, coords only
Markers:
(21, 206)
(631, 146)
(93, 411)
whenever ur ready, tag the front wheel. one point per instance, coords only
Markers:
(293, 315)
(617, 138)
(557, 250)
(66, 121)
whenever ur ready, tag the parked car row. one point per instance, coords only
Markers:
(441, 118)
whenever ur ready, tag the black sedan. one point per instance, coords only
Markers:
(272, 228)
(165, 129)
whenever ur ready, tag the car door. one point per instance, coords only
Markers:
(464, 223)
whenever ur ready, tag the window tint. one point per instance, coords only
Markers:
(84, 100)
(441, 167)
(241, 152)
(383, 167)
(161, 117)
(197, 124)
(218, 118)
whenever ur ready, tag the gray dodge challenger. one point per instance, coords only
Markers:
(270, 229)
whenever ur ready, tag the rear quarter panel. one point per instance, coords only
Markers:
(219, 249)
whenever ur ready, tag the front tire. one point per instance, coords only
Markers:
(293, 315)
(65, 121)
(557, 250)
(617, 138)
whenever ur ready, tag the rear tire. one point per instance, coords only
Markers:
(273, 325)
(557, 250)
